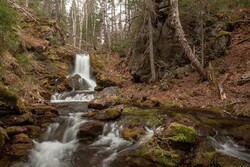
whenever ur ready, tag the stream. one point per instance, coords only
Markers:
(59, 146)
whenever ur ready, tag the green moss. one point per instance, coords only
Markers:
(222, 33)
(181, 133)
(159, 155)
(204, 158)
(23, 58)
(170, 104)
(132, 134)
(7, 96)
(3, 137)
(136, 116)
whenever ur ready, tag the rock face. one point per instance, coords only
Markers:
(90, 131)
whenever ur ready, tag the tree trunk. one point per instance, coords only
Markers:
(27, 3)
(182, 39)
(151, 48)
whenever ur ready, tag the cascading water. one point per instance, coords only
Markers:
(82, 68)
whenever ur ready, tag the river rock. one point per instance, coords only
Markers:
(20, 149)
(33, 131)
(133, 134)
(3, 137)
(12, 130)
(42, 109)
(107, 97)
(109, 113)
(21, 138)
(180, 136)
(13, 120)
(90, 131)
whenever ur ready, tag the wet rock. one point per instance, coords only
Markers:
(90, 131)
(43, 119)
(33, 131)
(12, 130)
(109, 113)
(3, 137)
(13, 120)
(21, 138)
(133, 134)
(108, 97)
(19, 150)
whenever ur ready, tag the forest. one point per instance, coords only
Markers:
(115, 83)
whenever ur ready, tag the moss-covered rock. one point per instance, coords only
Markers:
(133, 116)
(180, 133)
(109, 113)
(10, 103)
(13, 120)
(33, 131)
(133, 134)
(157, 154)
(3, 137)
(20, 149)
(21, 138)
(12, 130)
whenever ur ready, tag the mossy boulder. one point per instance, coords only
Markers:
(21, 138)
(20, 149)
(179, 134)
(159, 155)
(10, 103)
(133, 116)
(3, 137)
(133, 134)
(12, 130)
(13, 120)
(33, 131)
(109, 113)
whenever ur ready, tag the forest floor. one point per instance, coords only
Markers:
(188, 90)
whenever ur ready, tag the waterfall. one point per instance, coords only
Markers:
(82, 68)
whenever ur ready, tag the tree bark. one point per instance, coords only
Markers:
(151, 47)
(182, 39)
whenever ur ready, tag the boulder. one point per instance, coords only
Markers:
(133, 134)
(3, 137)
(12, 130)
(90, 131)
(41, 110)
(13, 120)
(109, 113)
(33, 131)
(107, 97)
(20, 149)
(242, 135)
(180, 136)
(21, 138)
